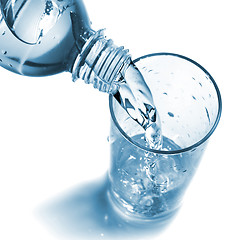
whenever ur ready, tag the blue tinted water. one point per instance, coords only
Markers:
(147, 185)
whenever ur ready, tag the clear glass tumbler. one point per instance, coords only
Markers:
(150, 184)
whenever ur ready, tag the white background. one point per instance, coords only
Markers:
(53, 133)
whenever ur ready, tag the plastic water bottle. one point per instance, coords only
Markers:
(44, 37)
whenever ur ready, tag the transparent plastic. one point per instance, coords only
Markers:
(37, 39)
(147, 183)
(40, 38)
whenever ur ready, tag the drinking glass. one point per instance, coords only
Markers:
(148, 184)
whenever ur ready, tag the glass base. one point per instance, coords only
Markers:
(127, 212)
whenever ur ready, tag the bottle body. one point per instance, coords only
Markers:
(47, 43)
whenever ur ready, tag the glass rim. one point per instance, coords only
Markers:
(182, 150)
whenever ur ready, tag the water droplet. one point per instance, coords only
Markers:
(170, 114)
(3, 33)
(152, 165)
(193, 97)
(208, 115)
(108, 138)
(184, 170)
(10, 65)
(165, 93)
(200, 84)
(4, 52)
(106, 217)
(193, 78)
(0, 60)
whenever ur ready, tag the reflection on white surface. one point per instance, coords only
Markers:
(86, 212)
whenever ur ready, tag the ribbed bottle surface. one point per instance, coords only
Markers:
(101, 63)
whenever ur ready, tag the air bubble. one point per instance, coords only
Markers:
(146, 201)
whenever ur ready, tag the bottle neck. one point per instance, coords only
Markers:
(101, 63)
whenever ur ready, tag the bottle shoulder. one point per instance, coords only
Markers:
(54, 35)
